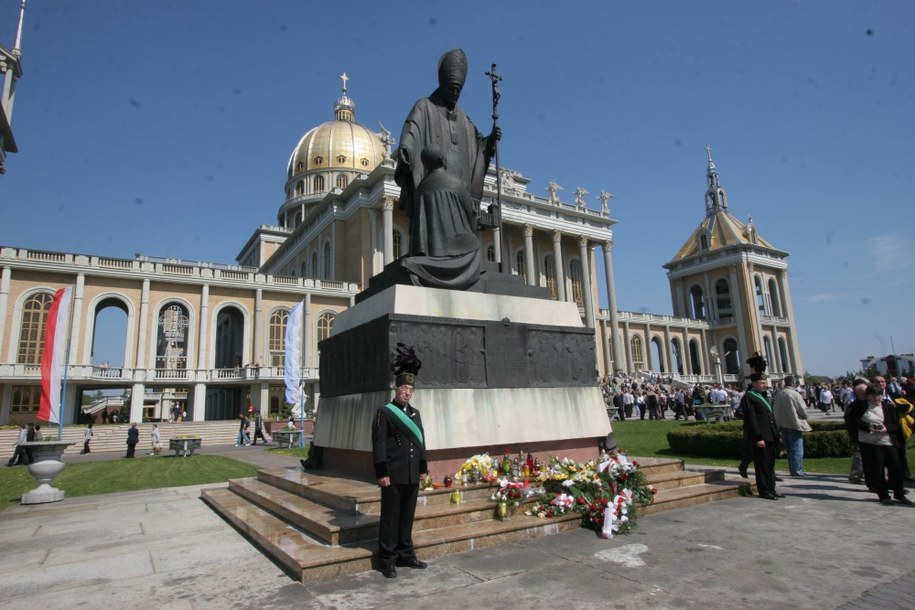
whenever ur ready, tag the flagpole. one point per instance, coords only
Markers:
(302, 381)
(63, 386)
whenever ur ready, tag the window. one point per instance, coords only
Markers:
(703, 243)
(575, 275)
(318, 184)
(783, 352)
(549, 271)
(723, 298)
(520, 267)
(696, 303)
(319, 160)
(300, 187)
(342, 181)
(314, 264)
(277, 338)
(31, 334)
(327, 261)
(767, 347)
(775, 299)
(325, 326)
(25, 399)
(364, 162)
(171, 340)
(397, 245)
(760, 297)
(299, 166)
(731, 357)
(491, 254)
(341, 158)
(638, 361)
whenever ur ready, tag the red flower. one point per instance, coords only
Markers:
(581, 499)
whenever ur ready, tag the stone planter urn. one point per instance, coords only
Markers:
(46, 466)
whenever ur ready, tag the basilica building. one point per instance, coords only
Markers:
(207, 339)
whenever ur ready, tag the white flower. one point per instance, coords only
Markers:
(568, 483)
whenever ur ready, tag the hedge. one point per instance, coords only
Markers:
(725, 440)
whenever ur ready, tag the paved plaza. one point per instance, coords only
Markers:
(829, 544)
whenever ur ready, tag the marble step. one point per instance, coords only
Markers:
(684, 478)
(307, 560)
(681, 497)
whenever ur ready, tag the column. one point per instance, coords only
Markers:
(611, 305)
(198, 410)
(605, 346)
(77, 318)
(739, 317)
(307, 357)
(684, 354)
(203, 322)
(143, 327)
(668, 357)
(387, 222)
(5, 276)
(648, 346)
(137, 391)
(529, 255)
(628, 340)
(259, 327)
(583, 253)
(559, 266)
(705, 355)
(795, 353)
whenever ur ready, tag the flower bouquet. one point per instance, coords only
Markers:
(478, 469)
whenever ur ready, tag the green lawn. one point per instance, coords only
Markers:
(643, 438)
(118, 475)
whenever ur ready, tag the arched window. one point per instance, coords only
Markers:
(575, 275)
(767, 345)
(302, 270)
(31, 332)
(638, 360)
(760, 297)
(775, 299)
(327, 262)
(325, 326)
(314, 264)
(277, 341)
(300, 187)
(342, 181)
(783, 352)
(723, 298)
(677, 352)
(696, 303)
(299, 166)
(549, 270)
(318, 184)
(171, 340)
(491, 254)
(694, 359)
(520, 267)
(341, 158)
(657, 353)
(319, 160)
(397, 245)
(703, 243)
(731, 357)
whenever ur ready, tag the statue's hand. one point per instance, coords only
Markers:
(496, 134)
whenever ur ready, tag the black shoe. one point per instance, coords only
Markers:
(768, 496)
(778, 495)
(856, 480)
(904, 500)
(743, 471)
(389, 572)
(779, 479)
(413, 562)
(886, 501)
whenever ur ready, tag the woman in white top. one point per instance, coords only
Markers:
(879, 437)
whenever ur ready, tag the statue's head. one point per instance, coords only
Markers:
(452, 70)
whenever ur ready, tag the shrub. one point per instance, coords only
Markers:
(724, 440)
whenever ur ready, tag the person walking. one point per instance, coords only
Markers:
(258, 429)
(154, 439)
(87, 436)
(133, 437)
(790, 414)
(19, 455)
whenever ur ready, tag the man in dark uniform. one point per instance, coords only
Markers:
(399, 455)
(759, 429)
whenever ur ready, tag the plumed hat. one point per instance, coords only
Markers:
(758, 364)
(452, 67)
(405, 365)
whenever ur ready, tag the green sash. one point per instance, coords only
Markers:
(760, 396)
(406, 421)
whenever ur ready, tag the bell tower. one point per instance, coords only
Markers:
(729, 276)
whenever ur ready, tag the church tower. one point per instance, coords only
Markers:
(728, 275)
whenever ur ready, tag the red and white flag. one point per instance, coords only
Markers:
(54, 356)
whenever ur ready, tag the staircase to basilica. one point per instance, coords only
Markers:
(318, 526)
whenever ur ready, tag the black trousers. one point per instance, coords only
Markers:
(880, 461)
(131, 448)
(395, 527)
(764, 467)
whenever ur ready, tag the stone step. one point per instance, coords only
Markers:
(323, 525)
(681, 497)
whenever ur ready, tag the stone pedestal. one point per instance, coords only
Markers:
(499, 372)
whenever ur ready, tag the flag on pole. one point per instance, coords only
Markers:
(54, 355)
(293, 373)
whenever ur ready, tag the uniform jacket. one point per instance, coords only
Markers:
(394, 452)
(758, 423)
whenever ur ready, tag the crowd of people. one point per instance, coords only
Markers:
(655, 396)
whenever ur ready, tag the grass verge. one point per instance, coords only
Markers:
(120, 475)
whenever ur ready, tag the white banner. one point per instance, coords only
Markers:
(293, 373)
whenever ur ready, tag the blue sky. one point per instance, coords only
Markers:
(164, 128)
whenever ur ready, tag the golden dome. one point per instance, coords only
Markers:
(341, 144)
